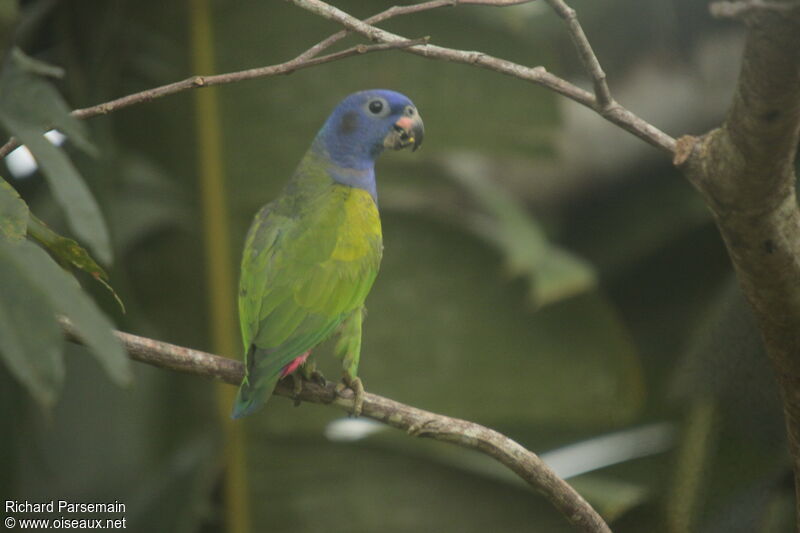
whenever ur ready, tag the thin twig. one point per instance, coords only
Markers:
(415, 422)
(304, 60)
(396, 11)
(602, 102)
(195, 82)
(587, 55)
(538, 75)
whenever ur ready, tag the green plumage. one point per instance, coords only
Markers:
(311, 256)
(310, 259)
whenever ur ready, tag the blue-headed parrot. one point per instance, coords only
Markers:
(312, 254)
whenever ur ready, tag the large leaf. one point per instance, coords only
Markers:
(68, 252)
(39, 102)
(30, 339)
(553, 273)
(13, 213)
(29, 106)
(68, 299)
(16, 221)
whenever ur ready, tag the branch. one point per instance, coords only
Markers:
(602, 104)
(304, 60)
(415, 422)
(590, 62)
(301, 62)
(395, 11)
(745, 171)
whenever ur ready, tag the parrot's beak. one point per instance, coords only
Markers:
(407, 131)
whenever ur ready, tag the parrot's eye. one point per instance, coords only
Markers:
(378, 107)
(409, 111)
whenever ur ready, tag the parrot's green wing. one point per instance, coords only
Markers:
(306, 267)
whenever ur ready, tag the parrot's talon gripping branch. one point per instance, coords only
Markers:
(307, 373)
(357, 388)
(314, 376)
(297, 388)
(310, 373)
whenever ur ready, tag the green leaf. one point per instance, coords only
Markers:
(34, 101)
(68, 299)
(554, 274)
(35, 66)
(13, 213)
(560, 274)
(68, 252)
(65, 250)
(29, 105)
(30, 339)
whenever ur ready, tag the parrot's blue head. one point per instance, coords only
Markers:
(361, 127)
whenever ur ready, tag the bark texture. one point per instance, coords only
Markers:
(746, 171)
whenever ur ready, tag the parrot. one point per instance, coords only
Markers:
(312, 254)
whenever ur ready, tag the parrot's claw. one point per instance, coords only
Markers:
(297, 388)
(357, 387)
(306, 372)
(316, 377)
(310, 373)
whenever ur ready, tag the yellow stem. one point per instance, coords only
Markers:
(220, 278)
(686, 494)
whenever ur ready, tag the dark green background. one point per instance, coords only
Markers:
(654, 332)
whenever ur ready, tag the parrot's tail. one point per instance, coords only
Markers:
(247, 401)
(253, 393)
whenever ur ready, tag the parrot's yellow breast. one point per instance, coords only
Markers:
(360, 234)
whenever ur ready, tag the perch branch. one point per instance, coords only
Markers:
(745, 171)
(416, 422)
(611, 111)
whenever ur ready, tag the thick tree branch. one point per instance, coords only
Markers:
(416, 422)
(745, 170)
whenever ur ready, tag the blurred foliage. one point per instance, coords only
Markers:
(29, 106)
(544, 274)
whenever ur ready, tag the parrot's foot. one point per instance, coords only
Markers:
(310, 373)
(297, 388)
(306, 372)
(357, 387)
